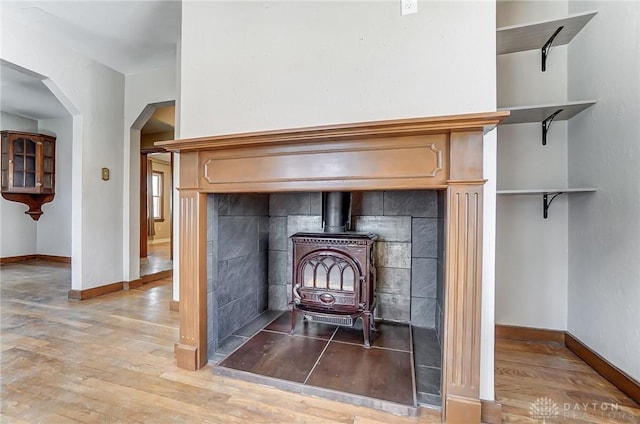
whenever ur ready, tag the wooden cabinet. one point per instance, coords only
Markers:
(28, 169)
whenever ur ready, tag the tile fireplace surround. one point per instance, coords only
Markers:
(441, 153)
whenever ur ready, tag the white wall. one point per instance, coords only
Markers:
(604, 151)
(17, 230)
(266, 65)
(96, 95)
(141, 90)
(531, 252)
(54, 226)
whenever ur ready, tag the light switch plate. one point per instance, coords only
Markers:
(105, 174)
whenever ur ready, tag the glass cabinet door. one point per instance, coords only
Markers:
(5, 162)
(47, 165)
(24, 163)
(28, 163)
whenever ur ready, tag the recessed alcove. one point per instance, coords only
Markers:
(249, 266)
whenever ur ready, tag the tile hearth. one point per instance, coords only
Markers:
(326, 360)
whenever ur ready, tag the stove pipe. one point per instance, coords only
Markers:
(336, 211)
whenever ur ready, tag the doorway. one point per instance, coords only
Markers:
(156, 187)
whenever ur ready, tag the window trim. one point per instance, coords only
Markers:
(160, 196)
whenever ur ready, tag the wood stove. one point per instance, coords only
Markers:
(334, 279)
(334, 274)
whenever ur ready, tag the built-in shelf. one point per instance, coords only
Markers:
(531, 36)
(545, 114)
(541, 34)
(546, 192)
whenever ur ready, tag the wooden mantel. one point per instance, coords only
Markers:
(442, 153)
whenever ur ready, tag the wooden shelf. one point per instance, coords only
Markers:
(532, 36)
(546, 201)
(538, 113)
(545, 191)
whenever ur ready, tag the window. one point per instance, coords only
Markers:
(157, 184)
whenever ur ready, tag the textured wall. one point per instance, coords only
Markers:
(604, 229)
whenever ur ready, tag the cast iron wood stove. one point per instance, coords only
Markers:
(334, 274)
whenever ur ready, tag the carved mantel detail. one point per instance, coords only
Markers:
(442, 153)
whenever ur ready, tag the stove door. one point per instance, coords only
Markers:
(327, 280)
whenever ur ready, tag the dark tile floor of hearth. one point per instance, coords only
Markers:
(325, 360)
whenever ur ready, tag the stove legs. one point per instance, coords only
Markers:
(368, 324)
(293, 320)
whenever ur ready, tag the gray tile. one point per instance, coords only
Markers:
(278, 233)
(234, 315)
(439, 322)
(387, 228)
(210, 309)
(394, 281)
(440, 282)
(230, 343)
(303, 223)
(393, 307)
(263, 233)
(237, 236)
(393, 255)
(221, 204)
(442, 198)
(428, 400)
(283, 204)
(366, 203)
(214, 358)
(423, 312)
(248, 204)
(424, 237)
(278, 297)
(277, 270)
(212, 268)
(441, 245)
(238, 276)
(263, 298)
(212, 323)
(316, 203)
(258, 323)
(416, 203)
(424, 276)
(428, 380)
(212, 215)
(426, 347)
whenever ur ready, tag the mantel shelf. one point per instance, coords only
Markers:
(545, 192)
(532, 36)
(539, 113)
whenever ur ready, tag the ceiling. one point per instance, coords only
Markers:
(24, 94)
(127, 36)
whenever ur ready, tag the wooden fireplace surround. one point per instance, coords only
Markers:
(443, 153)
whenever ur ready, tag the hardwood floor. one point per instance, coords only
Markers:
(110, 359)
(533, 377)
(158, 259)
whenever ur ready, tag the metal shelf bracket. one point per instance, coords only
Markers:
(546, 203)
(546, 49)
(546, 123)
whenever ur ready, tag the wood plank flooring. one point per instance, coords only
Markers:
(110, 360)
(528, 374)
